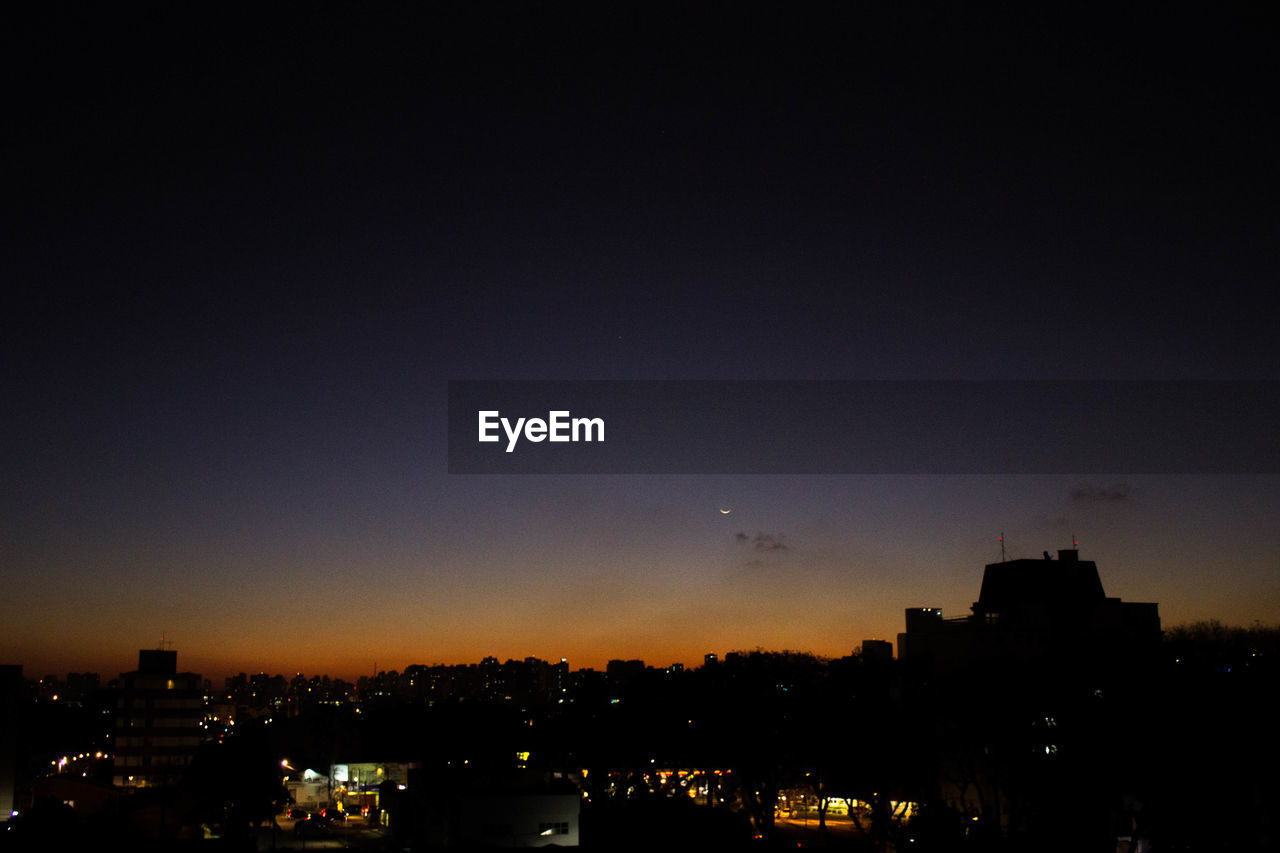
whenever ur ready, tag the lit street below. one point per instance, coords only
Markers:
(354, 834)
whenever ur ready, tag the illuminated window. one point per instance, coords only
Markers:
(553, 829)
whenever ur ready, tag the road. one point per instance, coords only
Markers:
(353, 834)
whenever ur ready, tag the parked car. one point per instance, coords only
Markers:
(310, 827)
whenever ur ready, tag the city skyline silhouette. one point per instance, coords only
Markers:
(248, 258)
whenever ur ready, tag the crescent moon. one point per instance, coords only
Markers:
(724, 511)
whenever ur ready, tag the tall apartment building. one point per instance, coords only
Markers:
(12, 706)
(158, 714)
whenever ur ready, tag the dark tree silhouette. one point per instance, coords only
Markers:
(237, 784)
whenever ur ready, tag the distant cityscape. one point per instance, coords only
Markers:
(1050, 715)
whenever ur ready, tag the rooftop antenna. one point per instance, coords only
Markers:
(164, 644)
(1003, 556)
(1075, 545)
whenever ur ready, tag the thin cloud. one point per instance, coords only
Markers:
(1101, 494)
(763, 541)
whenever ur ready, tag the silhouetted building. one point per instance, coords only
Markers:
(1033, 610)
(85, 799)
(11, 691)
(624, 669)
(508, 810)
(877, 651)
(560, 679)
(158, 714)
(1027, 698)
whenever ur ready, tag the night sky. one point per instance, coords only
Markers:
(245, 252)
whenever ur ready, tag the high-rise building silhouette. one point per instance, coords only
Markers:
(11, 689)
(158, 715)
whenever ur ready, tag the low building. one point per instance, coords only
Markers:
(1033, 610)
(877, 651)
(514, 809)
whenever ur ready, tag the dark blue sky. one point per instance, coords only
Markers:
(247, 251)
